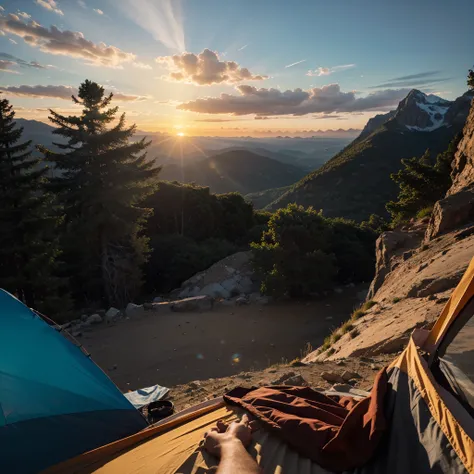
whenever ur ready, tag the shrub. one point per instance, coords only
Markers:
(368, 304)
(357, 314)
(302, 252)
(425, 212)
(395, 300)
(354, 333)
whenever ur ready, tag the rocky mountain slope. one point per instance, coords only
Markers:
(417, 268)
(237, 170)
(356, 182)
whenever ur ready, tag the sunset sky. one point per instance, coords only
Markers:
(235, 67)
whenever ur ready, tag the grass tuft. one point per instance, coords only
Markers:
(396, 300)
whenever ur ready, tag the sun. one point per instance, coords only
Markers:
(180, 134)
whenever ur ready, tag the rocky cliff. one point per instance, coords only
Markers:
(417, 268)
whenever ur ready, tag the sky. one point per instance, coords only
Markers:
(234, 67)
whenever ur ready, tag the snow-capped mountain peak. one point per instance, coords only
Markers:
(421, 112)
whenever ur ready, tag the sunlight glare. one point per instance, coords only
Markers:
(180, 134)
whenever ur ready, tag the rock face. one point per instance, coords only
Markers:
(232, 276)
(457, 208)
(388, 246)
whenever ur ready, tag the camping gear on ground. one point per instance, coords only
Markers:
(427, 408)
(55, 403)
(156, 411)
(144, 396)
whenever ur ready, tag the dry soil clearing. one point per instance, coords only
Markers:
(176, 348)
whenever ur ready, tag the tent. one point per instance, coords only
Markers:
(428, 406)
(55, 403)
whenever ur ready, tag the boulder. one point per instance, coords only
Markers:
(132, 310)
(347, 375)
(241, 300)
(451, 213)
(280, 380)
(431, 286)
(158, 299)
(332, 377)
(215, 290)
(297, 381)
(195, 303)
(112, 314)
(246, 285)
(94, 319)
(231, 285)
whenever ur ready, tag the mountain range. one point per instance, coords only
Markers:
(356, 182)
(235, 170)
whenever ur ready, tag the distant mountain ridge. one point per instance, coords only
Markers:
(237, 170)
(356, 182)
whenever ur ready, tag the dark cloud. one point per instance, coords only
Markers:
(267, 102)
(419, 83)
(413, 80)
(330, 116)
(5, 66)
(420, 75)
(21, 62)
(58, 92)
(66, 43)
(205, 68)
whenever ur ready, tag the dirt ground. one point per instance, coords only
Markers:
(177, 348)
(187, 395)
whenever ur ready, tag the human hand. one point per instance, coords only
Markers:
(224, 435)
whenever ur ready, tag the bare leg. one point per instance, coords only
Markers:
(230, 443)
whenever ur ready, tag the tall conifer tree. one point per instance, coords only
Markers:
(28, 242)
(101, 179)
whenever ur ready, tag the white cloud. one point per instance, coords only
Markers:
(161, 18)
(64, 42)
(294, 64)
(326, 71)
(205, 69)
(98, 11)
(82, 3)
(140, 65)
(21, 62)
(12, 41)
(50, 5)
(242, 47)
(59, 92)
(24, 15)
(2, 9)
(267, 102)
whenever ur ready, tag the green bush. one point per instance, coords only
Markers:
(425, 212)
(303, 252)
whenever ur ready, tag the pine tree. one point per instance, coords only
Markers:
(101, 178)
(470, 79)
(28, 246)
(421, 184)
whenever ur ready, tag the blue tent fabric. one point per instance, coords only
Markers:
(55, 403)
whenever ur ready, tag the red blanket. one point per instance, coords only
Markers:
(337, 433)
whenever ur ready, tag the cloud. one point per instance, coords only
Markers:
(21, 62)
(2, 9)
(326, 99)
(98, 11)
(215, 120)
(294, 64)
(50, 5)
(413, 80)
(82, 3)
(330, 116)
(24, 15)
(326, 71)
(140, 65)
(6, 65)
(242, 47)
(162, 19)
(205, 69)
(12, 41)
(59, 92)
(66, 43)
